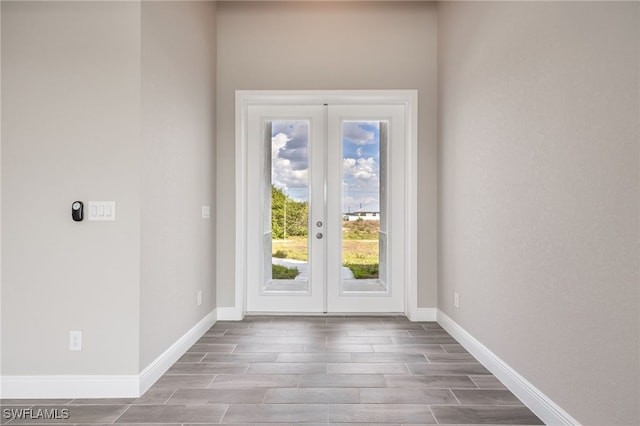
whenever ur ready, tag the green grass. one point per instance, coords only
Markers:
(364, 271)
(279, 272)
(280, 254)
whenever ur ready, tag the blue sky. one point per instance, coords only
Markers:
(361, 161)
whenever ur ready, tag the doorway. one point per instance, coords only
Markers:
(326, 205)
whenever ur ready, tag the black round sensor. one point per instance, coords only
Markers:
(77, 211)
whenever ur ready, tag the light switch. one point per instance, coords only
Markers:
(102, 210)
(206, 212)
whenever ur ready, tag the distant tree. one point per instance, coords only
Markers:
(277, 213)
(288, 217)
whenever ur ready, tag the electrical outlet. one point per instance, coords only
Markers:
(75, 340)
(456, 299)
(199, 298)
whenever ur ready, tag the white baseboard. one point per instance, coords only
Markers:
(103, 386)
(69, 386)
(230, 314)
(161, 364)
(427, 314)
(542, 406)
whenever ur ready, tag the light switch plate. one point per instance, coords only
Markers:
(206, 212)
(101, 210)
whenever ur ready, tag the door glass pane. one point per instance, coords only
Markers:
(286, 194)
(364, 209)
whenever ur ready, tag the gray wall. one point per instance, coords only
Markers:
(538, 194)
(105, 101)
(178, 170)
(327, 45)
(70, 131)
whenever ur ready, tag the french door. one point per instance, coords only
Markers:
(325, 208)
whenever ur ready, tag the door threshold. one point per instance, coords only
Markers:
(327, 314)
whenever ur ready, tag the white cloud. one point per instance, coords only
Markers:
(363, 169)
(277, 142)
(361, 183)
(357, 134)
(283, 173)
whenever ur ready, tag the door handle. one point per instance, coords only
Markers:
(319, 235)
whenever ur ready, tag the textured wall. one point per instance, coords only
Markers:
(178, 170)
(70, 131)
(105, 101)
(327, 45)
(539, 194)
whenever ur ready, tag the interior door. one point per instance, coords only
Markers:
(325, 208)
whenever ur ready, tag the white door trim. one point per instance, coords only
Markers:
(407, 98)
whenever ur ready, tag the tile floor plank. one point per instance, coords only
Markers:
(367, 368)
(234, 381)
(268, 413)
(448, 369)
(168, 382)
(410, 349)
(207, 368)
(407, 396)
(378, 357)
(217, 396)
(486, 397)
(338, 348)
(342, 381)
(447, 358)
(485, 415)
(312, 396)
(192, 413)
(258, 348)
(288, 368)
(430, 382)
(315, 357)
(241, 357)
(378, 413)
(487, 382)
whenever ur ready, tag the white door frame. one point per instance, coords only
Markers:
(407, 98)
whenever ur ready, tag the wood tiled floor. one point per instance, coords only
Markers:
(314, 370)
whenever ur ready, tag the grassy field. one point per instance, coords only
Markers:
(360, 250)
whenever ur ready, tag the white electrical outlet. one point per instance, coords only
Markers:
(199, 298)
(456, 299)
(75, 340)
